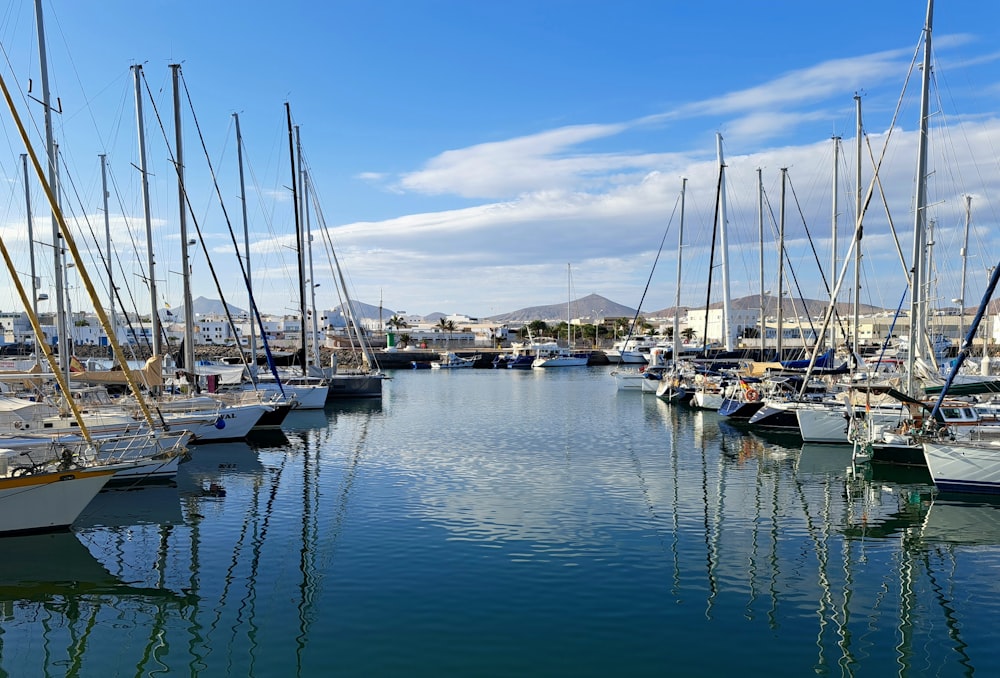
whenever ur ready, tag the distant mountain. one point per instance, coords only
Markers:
(335, 317)
(592, 306)
(790, 307)
(202, 306)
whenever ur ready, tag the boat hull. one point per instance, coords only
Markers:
(964, 467)
(735, 408)
(902, 455)
(47, 502)
(776, 416)
(355, 386)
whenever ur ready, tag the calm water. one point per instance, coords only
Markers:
(508, 523)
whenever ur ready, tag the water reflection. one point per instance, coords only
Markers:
(962, 523)
(47, 567)
(143, 504)
(370, 532)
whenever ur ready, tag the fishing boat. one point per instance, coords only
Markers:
(452, 361)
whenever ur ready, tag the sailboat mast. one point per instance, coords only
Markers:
(858, 214)
(832, 341)
(781, 260)
(189, 359)
(676, 352)
(760, 251)
(308, 254)
(724, 243)
(917, 302)
(246, 246)
(298, 236)
(569, 313)
(31, 246)
(151, 263)
(50, 154)
(965, 258)
(113, 319)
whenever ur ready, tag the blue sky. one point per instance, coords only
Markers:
(463, 153)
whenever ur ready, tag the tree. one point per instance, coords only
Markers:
(621, 326)
(397, 322)
(538, 327)
(688, 334)
(447, 326)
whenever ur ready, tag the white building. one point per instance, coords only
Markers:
(740, 320)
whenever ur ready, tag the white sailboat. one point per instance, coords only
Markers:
(310, 391)
(558, 356)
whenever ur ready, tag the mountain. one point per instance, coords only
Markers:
(790, 307)
(202, 306)
(592, 306)
(335, 316)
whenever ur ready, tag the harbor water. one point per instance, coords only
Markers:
(511, 523)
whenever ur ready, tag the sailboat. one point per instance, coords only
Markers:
(963, 466)
(209, 419)
(308, 390)
(46, 486)
(647, 379)
(366, 380)
(558, 356)
(708, 392)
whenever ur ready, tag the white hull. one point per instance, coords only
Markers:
(308, 397)
(829, 424)
(707, 400)
(560, 361)
(651, 385)
(825, 425)
(151, 470)
(48, 501)
(964, 467)
(629, 380)
(626, 357)
(224, 423)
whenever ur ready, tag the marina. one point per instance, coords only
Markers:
(799, 478)
(509, 522)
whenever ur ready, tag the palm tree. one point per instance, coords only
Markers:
(446, 326)
(688, 334)
(397, 322)
(538, 327)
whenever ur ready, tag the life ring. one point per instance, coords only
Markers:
(752, 395)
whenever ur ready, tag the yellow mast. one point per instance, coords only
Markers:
(84, 276)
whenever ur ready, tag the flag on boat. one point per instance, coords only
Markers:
(75, 365)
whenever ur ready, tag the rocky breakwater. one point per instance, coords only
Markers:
(346, 359)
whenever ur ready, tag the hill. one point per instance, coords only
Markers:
(202, 306)
(592, 306)
(790, 307)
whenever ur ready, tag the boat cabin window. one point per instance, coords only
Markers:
(958, 413)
